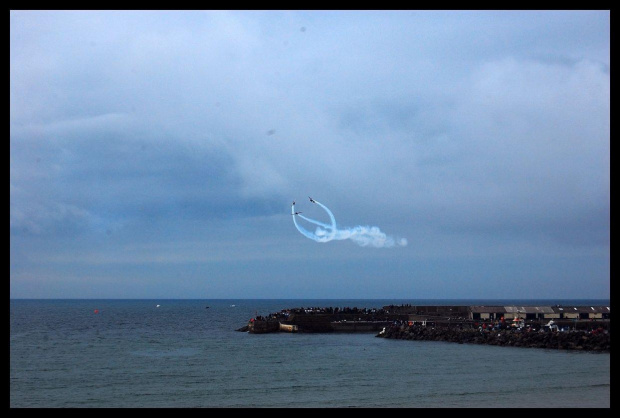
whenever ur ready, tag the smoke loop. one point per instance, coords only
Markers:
(364, 236)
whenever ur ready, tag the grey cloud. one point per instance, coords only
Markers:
(409, 120)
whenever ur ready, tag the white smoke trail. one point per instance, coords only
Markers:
(364, 236)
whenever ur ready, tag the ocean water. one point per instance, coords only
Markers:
(133, 354)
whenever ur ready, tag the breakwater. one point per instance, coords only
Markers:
(595, 340)
(324, 320)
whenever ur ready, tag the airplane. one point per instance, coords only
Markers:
(296, 213)
(312, 200)
(293, 203)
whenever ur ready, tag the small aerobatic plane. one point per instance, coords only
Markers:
(296, 213)
(293, 203)
(312, 200)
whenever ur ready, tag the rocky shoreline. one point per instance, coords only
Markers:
(597, 340)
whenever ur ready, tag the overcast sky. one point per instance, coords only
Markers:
(156, 154)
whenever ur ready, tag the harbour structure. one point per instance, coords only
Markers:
(331, 319)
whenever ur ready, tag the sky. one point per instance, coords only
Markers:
(156, 154)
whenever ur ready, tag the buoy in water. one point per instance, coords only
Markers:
(96, 310)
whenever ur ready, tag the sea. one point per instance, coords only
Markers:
(163, 353)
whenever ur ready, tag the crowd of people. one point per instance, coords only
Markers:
(361, 313)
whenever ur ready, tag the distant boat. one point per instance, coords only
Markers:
(207, 307)
(158, 306)
(232, 306)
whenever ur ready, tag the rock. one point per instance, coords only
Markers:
(572, 340)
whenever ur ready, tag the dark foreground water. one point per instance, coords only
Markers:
(132, 353)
